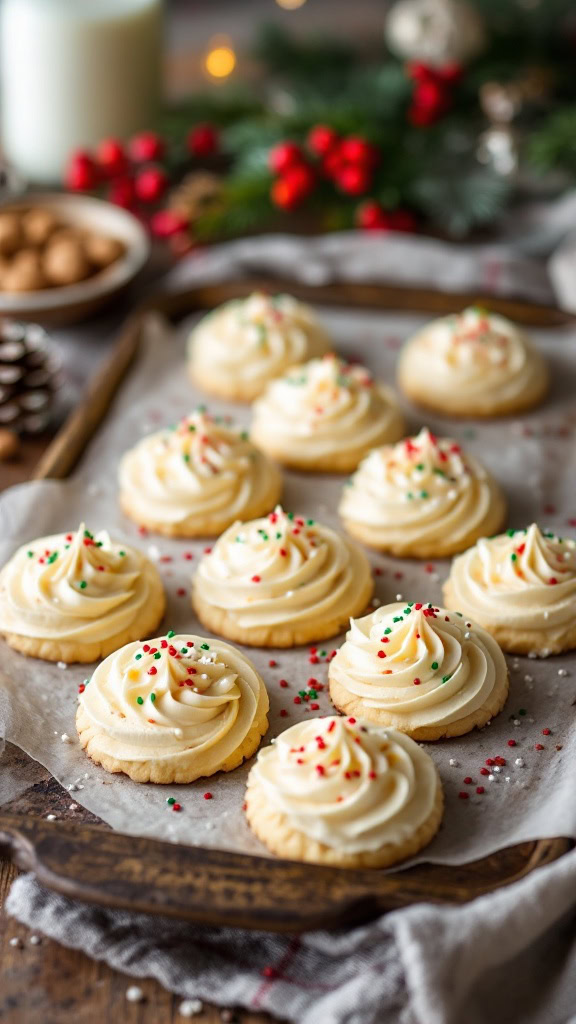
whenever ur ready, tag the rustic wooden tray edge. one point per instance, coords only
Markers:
(219, 887)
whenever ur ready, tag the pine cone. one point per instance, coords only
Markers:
(196, 194)
(29, 377)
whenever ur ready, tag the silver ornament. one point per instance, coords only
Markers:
(434, 32)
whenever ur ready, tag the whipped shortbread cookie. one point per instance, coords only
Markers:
(421, 498)
(195, 479)
(521, 587)
(426, 671)
(240, 346)
(474, 363)
(280, 581)
(325, 416)
(345, 792)
(78, 596)
(173, 709)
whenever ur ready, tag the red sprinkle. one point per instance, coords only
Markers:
(468, 780)
(152, 671)
(181, 592)
(552, 580)
(314, 707)
(352, 721)
(297, 700)
(538, 746)
(546, 732)
(511, 743)
(272, 663)
(314, 659)
(81, 688)
(255, 579)
(480, 789)
(269, 972)
(283, 683)
(489, 760)
(207, 796)
(176, 807)
(484, 771)
(417, 682)
(283, 713)
(381, 654)
(463, 795)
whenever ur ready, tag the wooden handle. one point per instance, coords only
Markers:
(215, 887)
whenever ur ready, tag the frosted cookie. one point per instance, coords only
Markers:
(521, 587)
(173, 709)
(196, 479)
(474, 363)
(240, 346)
(421, 498)
(325, 416)
(420, 669)
(78, 596)
(344, 792)
(281, 581)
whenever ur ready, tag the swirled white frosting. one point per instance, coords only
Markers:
(472, 357)
(75, 586)
(199, 471)
(324, 407)
(421, 664)
(174, 695)
(282, 569)
(423, 488)
(247, 342)
(348, 784)
(522, 579)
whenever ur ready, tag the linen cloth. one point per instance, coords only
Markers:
(509, 956)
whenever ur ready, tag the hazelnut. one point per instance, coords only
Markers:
(38, 224)
(9, 445)
(64, 261)
(10, 233)
(102, 250)
(24, 274)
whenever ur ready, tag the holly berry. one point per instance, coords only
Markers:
(321, 139)
(285, 156)
(371, 216)
(151, 184)
(166, 223)
(122, 193)
(203, 140)
(81, 174)
(353, 179)
(146, 147)
(110, 157)
(355, 150)
(290, 190)
(403, 220)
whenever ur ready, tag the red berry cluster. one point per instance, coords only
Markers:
(433, 91)
(131, 175)
(349, 163)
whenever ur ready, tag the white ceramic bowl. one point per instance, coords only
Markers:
(75, 302)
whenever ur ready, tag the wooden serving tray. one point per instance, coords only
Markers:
(216, 887)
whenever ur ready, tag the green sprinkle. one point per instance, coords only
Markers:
(387, 630)
(446, 678)
(122, 554)
(323, 654)
(397, 618)
(204, 647)
(410, 495)
(170, 800)
(183, 650)
(53, 557)
(30, 554)
(139, 700)
(420, 466)
(406, 611)
(309, 522)
(290, 515)
(88, 534)
(244, 435)
(278, 536)
(434, 665)
(439, 472)
(522, 711)
(514, 557)
(170, 634)
(138, 656)
(191, 428)
(152, 697)
(301, 693)
(99, 543)
(313, 694)
(510, 533)
(424, 494)
(186, 458)
(83, 585)
(157, 655)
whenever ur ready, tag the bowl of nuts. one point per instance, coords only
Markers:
(62, 256)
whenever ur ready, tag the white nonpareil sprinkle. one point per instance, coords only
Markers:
(153, 552)
(467, 635)
(34, 940)
(497, 769)
(528, 679)
(519, 762)
(16, 942)
(134, 994)
(562, 672)
(66, 738)
(507, 778)
(399, 597)
(62, 664)
(491, 778)
(453, 762)
(50, 817)
(516, 721)
(190, 1008)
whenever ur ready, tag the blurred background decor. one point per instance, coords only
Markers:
(448, 115)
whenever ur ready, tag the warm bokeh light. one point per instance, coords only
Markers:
(290, 5)
(220, 59)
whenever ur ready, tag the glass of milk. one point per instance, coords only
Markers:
(72, 73)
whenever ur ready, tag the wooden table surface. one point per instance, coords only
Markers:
(45, 983)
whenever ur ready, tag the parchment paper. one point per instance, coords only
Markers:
(535, 460)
